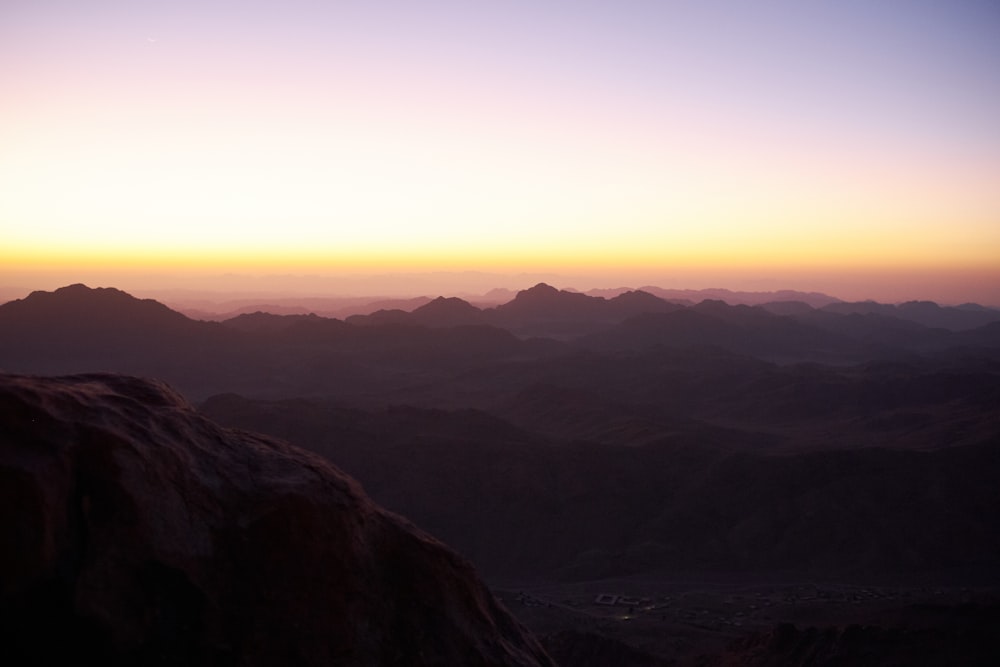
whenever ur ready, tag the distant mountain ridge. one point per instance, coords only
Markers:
(545, 310)
(76, 329)
(93, 307)
(927, 313)
(960, 317)
(541, 310)
(79, 329)
(732, 297)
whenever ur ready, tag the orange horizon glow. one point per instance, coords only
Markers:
(947, 286)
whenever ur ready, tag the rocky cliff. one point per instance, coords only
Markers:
(135, 531)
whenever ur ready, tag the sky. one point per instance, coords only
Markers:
(850, 147)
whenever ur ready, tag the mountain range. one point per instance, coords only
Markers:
(571, 437)
(78, 328)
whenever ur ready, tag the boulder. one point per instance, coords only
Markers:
(135, 531)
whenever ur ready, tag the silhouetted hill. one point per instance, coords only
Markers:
(814, 299)
(927, 313)
(628, 304)
(447, 312)
(200, 306)
(440, 312)
(76, 329)
(137, 532)
(741, 329)
(371, 306)
(545, 311)
(101, 312)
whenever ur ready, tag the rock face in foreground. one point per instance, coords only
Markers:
(134, 531)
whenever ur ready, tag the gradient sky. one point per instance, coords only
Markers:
(851, 147)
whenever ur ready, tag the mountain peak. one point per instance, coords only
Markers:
(537, 290)
(99, 325)
(74, 291)
(75, 287)
(445, 302)
(94, 306)
(545, 293)
(546, 301)
(447, 311)
(80, 290)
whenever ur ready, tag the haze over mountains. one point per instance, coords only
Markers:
(562, 436)
(216, 306)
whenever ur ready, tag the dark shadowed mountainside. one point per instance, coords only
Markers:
(960, 635)
(585, 649)
(517, 503)
(742, 329)
(137, 532)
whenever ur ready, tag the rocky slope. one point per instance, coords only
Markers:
(137, 532)
(520, 503)
(960, 635)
